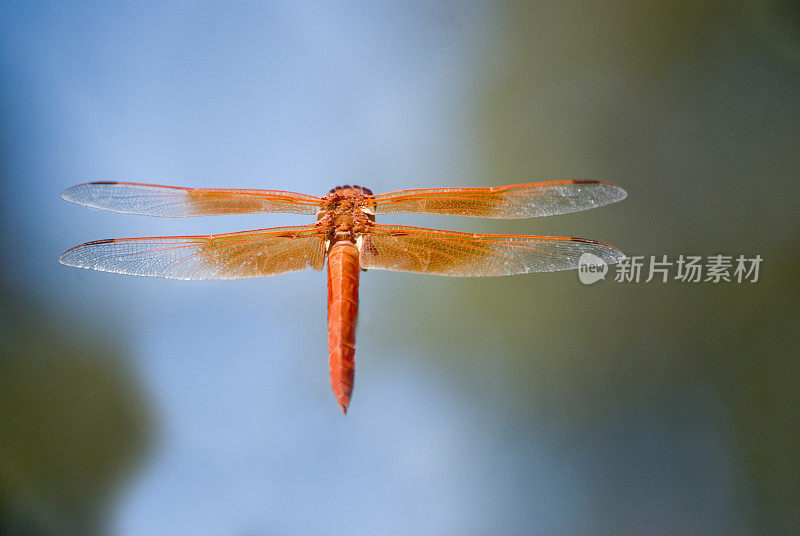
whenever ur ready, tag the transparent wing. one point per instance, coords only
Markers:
(505, 202)
(175, 202)
(223, 256)
(450, 253)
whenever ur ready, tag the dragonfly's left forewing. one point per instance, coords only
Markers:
(178, 202)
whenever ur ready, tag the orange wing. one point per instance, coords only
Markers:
(506, 202)
(223, 256)
(433, 251)
(175, 202)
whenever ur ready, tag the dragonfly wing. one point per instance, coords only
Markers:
(504, 202)
(450, 253)
(224, 256)
(175, 202)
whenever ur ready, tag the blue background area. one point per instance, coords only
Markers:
(515, 406)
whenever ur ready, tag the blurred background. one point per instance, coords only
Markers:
(522, 405)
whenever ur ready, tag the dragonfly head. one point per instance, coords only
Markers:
(363, 190)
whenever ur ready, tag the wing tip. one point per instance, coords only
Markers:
(619, 192)
(82, 193)
(68, 259)
(608, 254)
(612, 193)
(69, 194)
(615, 256)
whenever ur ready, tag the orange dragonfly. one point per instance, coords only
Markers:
(346, 234)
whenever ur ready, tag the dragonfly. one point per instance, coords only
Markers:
(345, 234)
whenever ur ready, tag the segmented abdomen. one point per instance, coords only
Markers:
(343, 271)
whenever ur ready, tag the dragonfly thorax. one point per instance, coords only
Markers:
(345, 212)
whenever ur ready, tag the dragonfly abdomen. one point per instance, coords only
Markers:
(343, 271)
